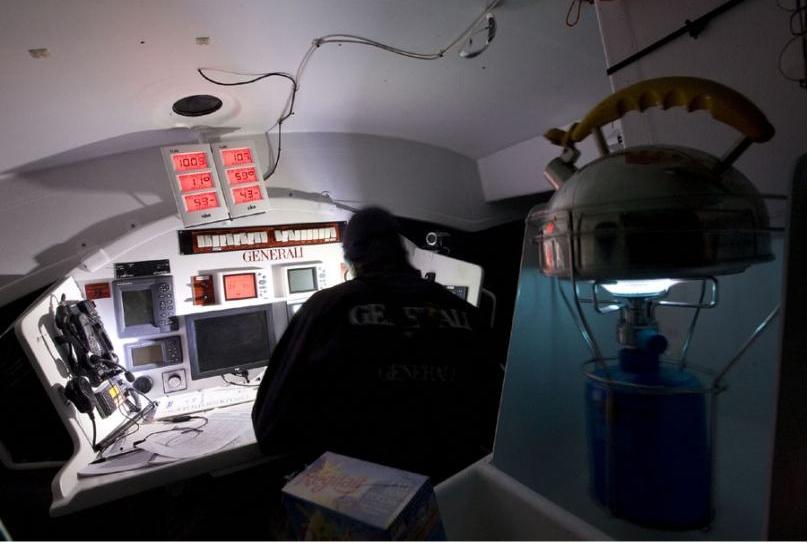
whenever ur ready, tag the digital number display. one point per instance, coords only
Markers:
(234, 157)
(189, 161)
(147, 355)
(201, 201)
(247, 194)
(194, 182)
(241, 175)
(239, 286)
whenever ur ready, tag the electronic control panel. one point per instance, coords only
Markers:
(300, 281)
(242, 178)
(195, 184)
(155, 353)
(144, 306)
(195, 314)
(215, 182)
(190, 309)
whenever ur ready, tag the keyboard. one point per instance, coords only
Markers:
(200, 401)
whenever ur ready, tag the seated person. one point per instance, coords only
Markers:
(387, 367)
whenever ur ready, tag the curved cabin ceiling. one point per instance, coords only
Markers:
(114, 68)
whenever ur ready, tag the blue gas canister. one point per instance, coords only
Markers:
(648, 441)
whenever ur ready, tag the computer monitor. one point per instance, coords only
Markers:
(228, 340)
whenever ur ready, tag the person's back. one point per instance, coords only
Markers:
(387, 367)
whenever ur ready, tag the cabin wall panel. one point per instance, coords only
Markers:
(411, 179)
(51, 218)
(519, 169)
(741, 49)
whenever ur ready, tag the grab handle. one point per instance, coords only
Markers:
(724, 104)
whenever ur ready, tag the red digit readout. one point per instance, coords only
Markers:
(241, 155)
(241, 175)
(246, 194)
(194, 182)
(239, 286)
(189, 161)
(201, 201)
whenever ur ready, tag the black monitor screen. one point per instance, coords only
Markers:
(302, 279)
(224, 342)
(137, 307)
(151, 354)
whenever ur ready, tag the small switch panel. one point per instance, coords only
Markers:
(204, 293)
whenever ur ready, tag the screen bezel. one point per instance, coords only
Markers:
(235, 274)
(138, 284)
(314, 272)
(190, 334)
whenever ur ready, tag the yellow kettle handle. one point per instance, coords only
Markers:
(724, 104)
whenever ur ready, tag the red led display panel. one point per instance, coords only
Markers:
(239, 155)
(239, 286)
(194, 182)
(201, 201)
(241, 175)
(247, 194)
(189, 161)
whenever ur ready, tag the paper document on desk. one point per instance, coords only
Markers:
(236, 412)
(187, 442)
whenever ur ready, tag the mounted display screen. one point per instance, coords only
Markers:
(241, 175)
(237, 156)
(143, 305)
(219, 342)
(239, 286)
(302, 280)
(195, 182)
(246, 194)
(147, 355)
(138, 307)
(189, 161)
(201, 201)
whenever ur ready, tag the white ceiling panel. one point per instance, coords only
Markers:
(115, 67)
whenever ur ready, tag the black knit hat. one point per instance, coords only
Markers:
(372, 236)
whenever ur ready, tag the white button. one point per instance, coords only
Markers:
(263, 237)
(200, 241)
(332, 233)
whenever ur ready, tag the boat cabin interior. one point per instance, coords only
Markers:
(618, 187)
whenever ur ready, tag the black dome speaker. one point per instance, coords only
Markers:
(197, 105)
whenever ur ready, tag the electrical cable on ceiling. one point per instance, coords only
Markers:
(572, 22)
(289, 106)
(288, 109)
(797, 33)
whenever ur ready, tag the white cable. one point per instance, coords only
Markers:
(359, 40)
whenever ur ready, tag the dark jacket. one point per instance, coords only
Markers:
(391, 368)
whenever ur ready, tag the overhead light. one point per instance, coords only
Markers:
(197, 105)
